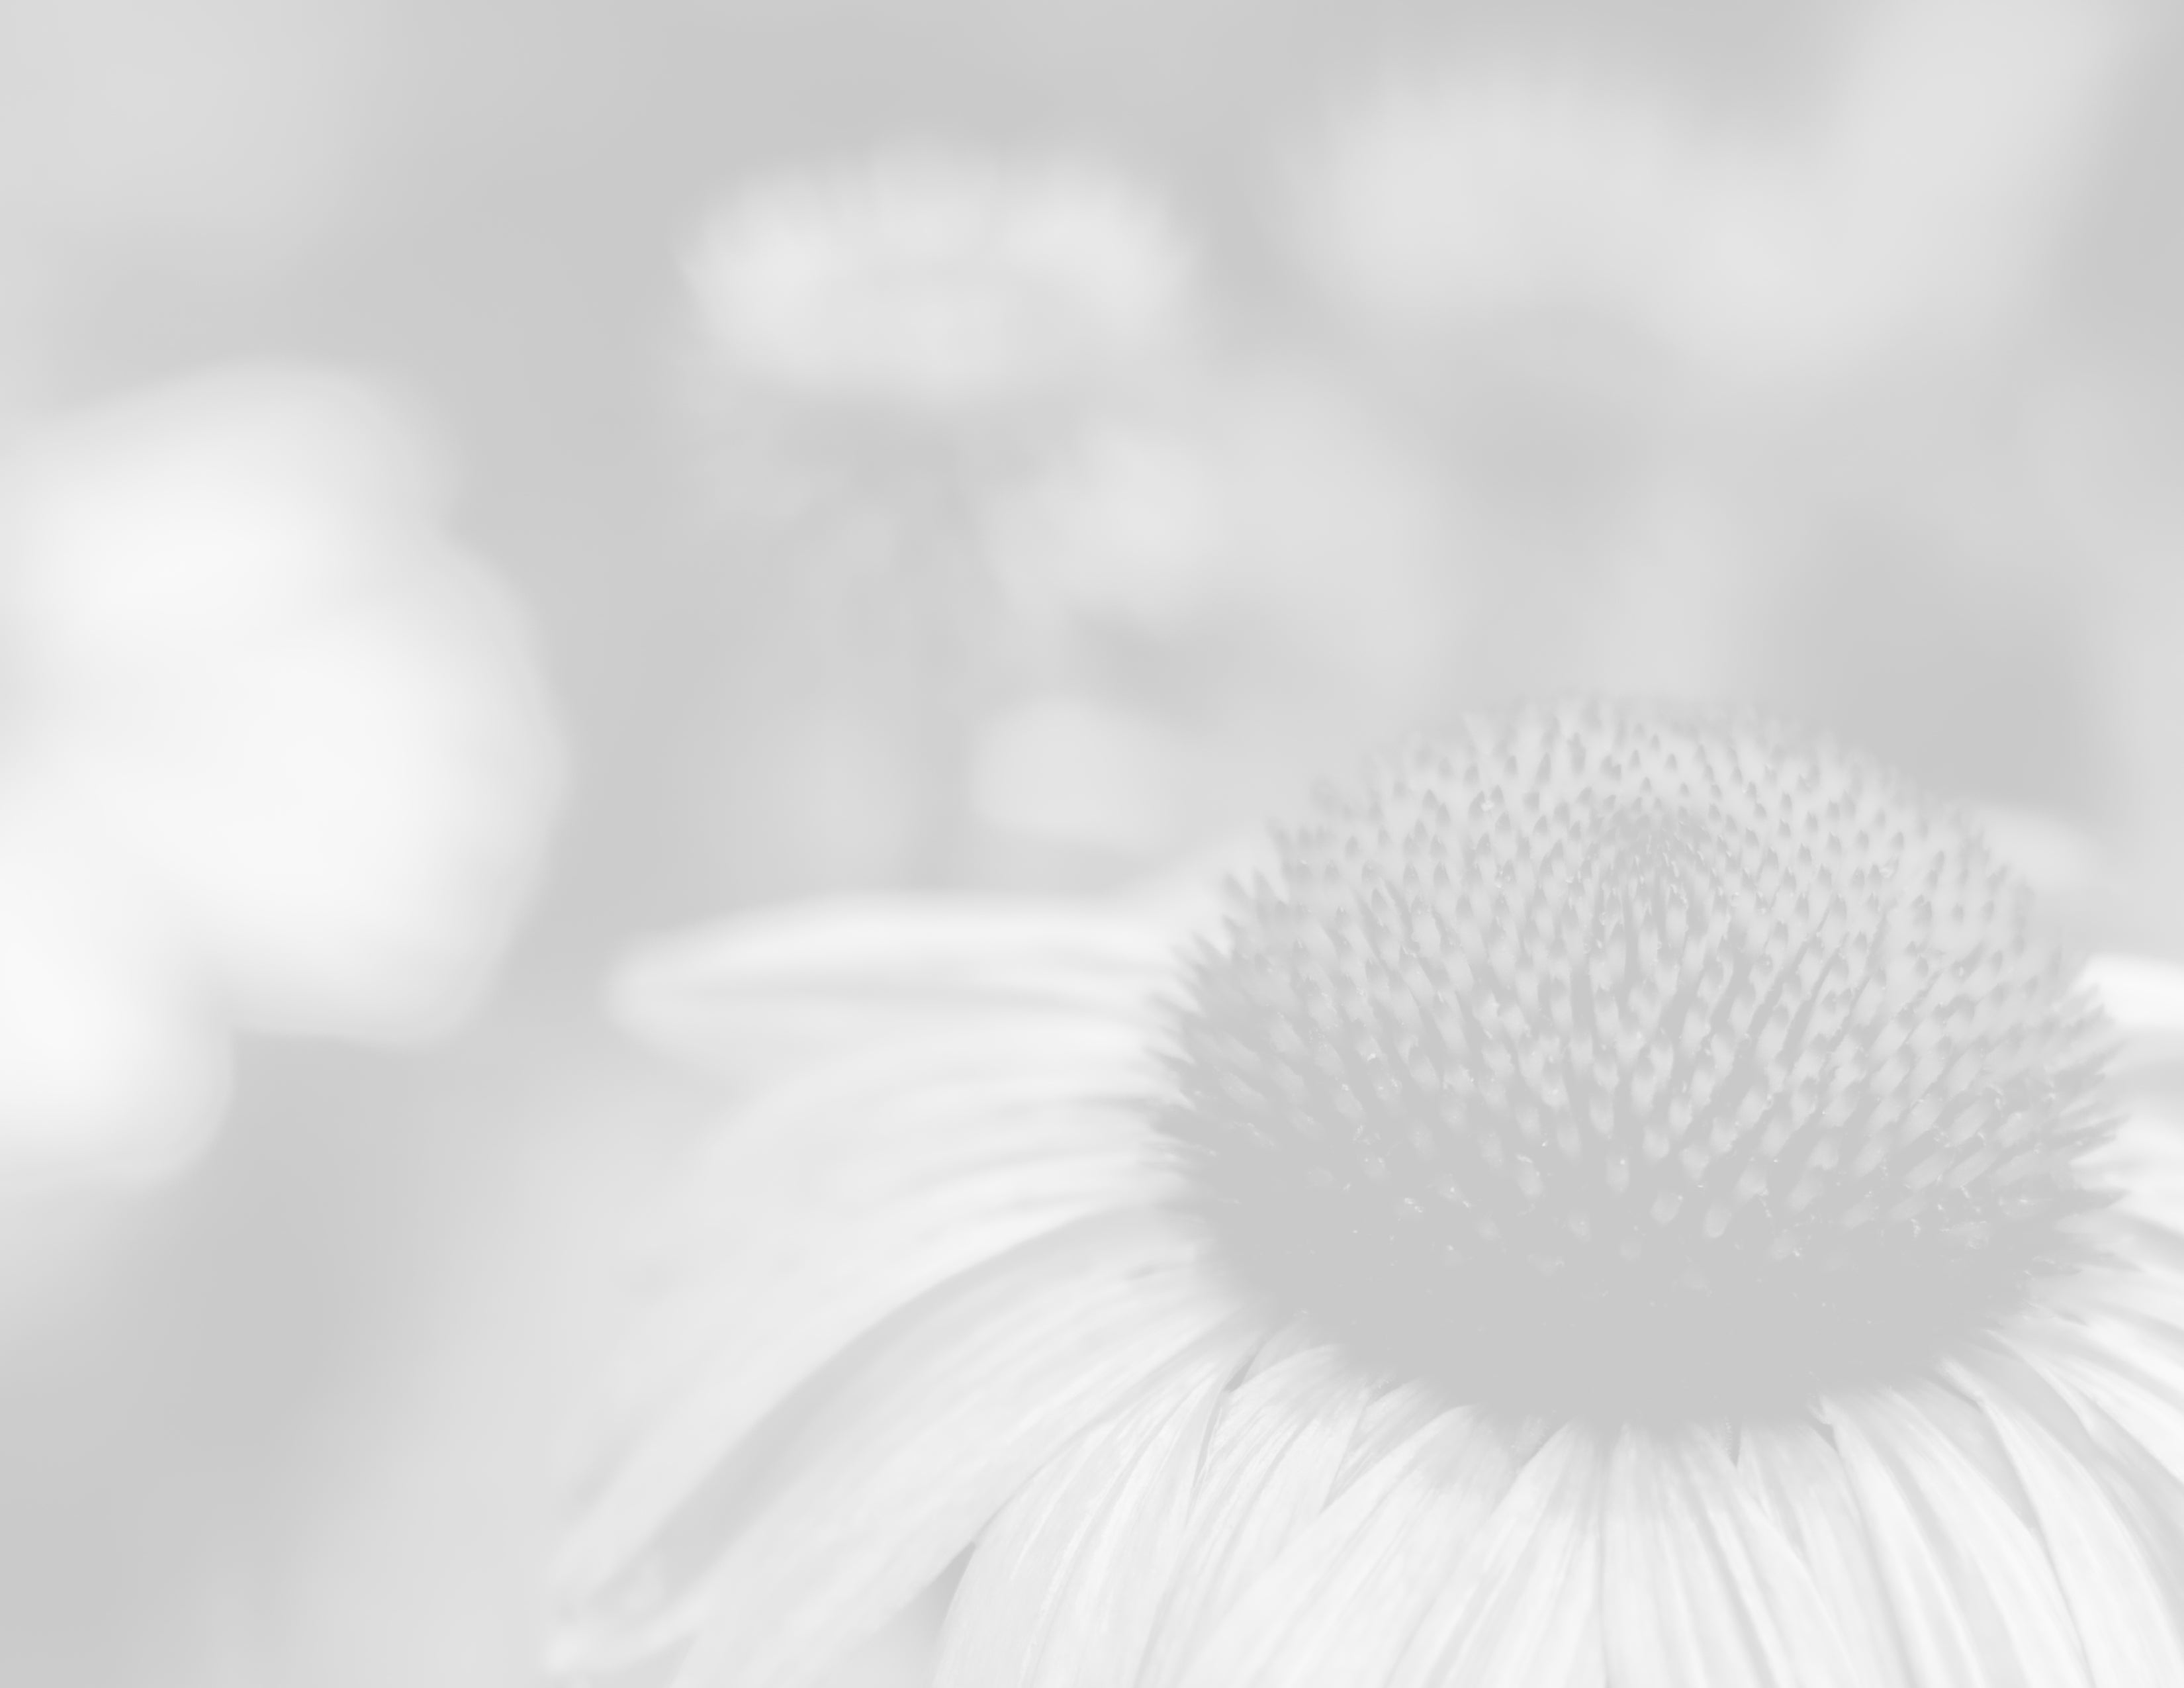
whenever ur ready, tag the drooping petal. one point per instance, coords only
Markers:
(1277, 1448)
(1066, 1581)
(858, 1491)
(886, 1109)
(1794, 1471)
(771, 990)
(1523, 1608)
(2124, 1319)
(829, 1204)
(2131, 1629)
(1974, 1597)
(2121, 1376)
(2138, 1426)
(1394, 1417)
(1699, 1586)
(2139, 1310)
(2144, 1487)
(2145, 997)
(1341, 1601)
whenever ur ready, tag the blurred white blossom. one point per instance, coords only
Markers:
(938, 279)
(273, 750)
(1911, 207)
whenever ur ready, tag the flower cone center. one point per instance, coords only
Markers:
(1600, 1059)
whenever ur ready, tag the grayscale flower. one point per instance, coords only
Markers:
(936, 278)
(1624, 1195)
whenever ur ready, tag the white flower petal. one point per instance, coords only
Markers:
(859, 1494)
(1392, 1419)
(827, 1206)
(2139, 1309)
(2115, 1370)
(2112, 1578)
(2125, 1309)
(900, 1102)
(1795, 1472)
(2143, 994)
(2143, 1164)
(1278, 1447)
(1340, 1603)
(1523, 1608)
(789, 986)
(2143, 1486)
(1066, 1581)
(1974, 1597)
(1699, 1583)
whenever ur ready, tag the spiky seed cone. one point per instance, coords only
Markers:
(1620, 1060)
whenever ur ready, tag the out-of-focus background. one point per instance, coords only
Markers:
(481, 483)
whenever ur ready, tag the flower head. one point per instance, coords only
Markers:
(1611, 1057)
(937, 280)
(1622, 1196)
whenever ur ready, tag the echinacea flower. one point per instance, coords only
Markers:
(936, 278)
(1625, 1197)
(276, 754)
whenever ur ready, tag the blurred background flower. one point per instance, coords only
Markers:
(277, 750)
(888, 342)
(1900, 205)
(937, 279)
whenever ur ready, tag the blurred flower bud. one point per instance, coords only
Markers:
(940, 280)
(277, 751)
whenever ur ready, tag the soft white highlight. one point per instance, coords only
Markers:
(274, 749)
